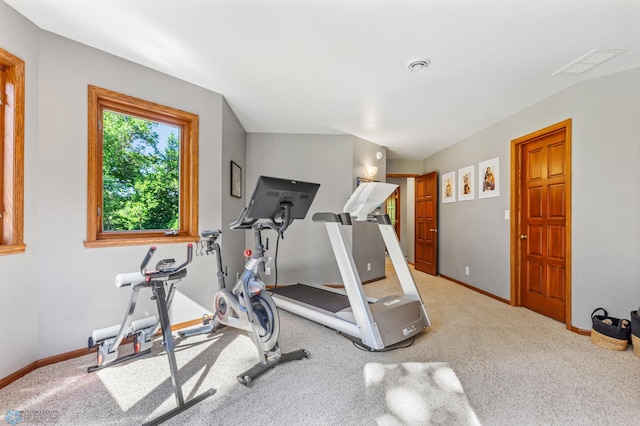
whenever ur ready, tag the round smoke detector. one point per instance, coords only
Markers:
(418, 65)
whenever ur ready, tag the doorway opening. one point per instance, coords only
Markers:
(393, 210)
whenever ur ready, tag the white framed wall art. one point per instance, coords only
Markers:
(488, 182)
(449, 187)
(466, 183)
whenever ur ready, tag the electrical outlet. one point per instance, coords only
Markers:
(466, 270)
(267, 270)
(368, 266)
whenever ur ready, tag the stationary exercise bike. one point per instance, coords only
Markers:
(108, 339)
(247, 306)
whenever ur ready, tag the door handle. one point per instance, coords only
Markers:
(523, 237)
(433, 230)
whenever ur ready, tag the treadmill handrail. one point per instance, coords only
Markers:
(344, 218)
(325, 217)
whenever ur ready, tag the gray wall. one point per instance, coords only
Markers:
(405, 167)
(80, 280)
(333, 161)
(364, 154)
(18, 300)
(605, 199)
(234, 149)
(367, 243)
(474, 233)
(305, 254)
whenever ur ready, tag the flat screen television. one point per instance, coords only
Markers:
(270, 193)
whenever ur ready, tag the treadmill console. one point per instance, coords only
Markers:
(367, 197)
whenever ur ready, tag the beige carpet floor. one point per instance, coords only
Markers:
(481, 362)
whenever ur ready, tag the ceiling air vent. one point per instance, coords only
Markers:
(418, 65)
(588, 61)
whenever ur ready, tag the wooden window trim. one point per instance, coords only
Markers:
(12, 156)
(100, 99)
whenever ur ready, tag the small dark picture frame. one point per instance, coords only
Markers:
(236, 180)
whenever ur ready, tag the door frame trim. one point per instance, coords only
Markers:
(517, 146)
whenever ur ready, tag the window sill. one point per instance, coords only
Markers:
(119, 242)
(13, 249)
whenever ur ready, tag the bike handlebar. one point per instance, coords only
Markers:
(241, 222)
(209, 240)
(147, 258)
(164, 272)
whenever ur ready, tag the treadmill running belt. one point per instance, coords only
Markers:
(323, 299)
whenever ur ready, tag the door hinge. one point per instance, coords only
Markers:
(99, 211)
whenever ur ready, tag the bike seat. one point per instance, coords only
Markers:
(135, 278)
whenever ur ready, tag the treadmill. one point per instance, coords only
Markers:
(377, 323)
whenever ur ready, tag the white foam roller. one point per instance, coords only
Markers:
(105, 333)
(143, 323)
(128, 279)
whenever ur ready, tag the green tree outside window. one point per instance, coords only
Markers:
(141, 174)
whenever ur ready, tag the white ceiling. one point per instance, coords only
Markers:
(340, 66)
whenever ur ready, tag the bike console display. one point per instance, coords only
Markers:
(271, 193)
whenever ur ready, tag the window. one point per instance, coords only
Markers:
(143, 169)
(12, 78)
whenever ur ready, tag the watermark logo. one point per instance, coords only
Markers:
(13, 417)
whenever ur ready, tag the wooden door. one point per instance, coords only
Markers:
(426, 229)
(543, 226)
